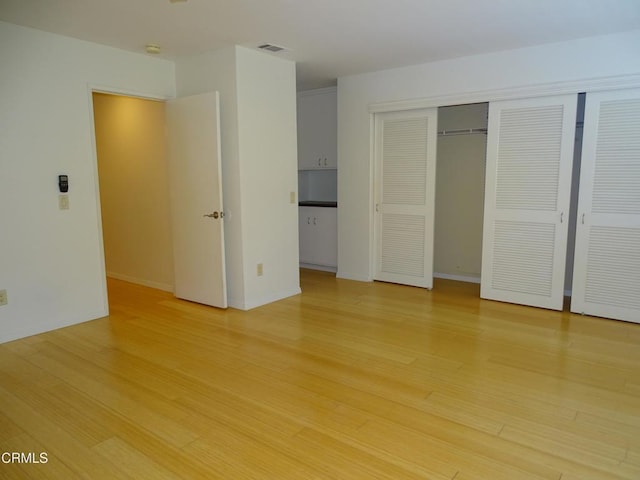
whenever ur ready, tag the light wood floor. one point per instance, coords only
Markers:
(347, 381)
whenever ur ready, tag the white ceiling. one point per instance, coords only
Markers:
(328, 38)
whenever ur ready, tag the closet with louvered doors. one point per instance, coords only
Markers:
(606, 275)
(537, 162)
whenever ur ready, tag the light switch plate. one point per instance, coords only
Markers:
(63, 202)
(3, 297)
(292, 197)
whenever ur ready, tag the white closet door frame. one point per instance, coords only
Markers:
(405, 197)
(606, 275)
(526, 214)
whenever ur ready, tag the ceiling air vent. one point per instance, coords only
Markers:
(271, 48)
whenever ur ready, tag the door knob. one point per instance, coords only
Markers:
(214, 215)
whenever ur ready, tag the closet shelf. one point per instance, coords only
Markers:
(462, 131)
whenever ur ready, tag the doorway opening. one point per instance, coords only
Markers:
(134, 189)
(160, 179)
(460, 184)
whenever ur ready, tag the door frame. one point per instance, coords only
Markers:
(91, 89)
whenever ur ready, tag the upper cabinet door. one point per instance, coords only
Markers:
(526, 214)
(606, 279)
(317, 129)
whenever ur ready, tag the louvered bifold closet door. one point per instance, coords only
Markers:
(405, 152)
(526, 214)
(606, 278)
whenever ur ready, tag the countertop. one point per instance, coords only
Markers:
(317, 203)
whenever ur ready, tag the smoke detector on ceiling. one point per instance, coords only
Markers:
(152, 48)
(271, 47)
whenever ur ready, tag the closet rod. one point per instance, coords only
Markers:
(463, 131)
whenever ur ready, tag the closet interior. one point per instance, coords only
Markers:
(460, 169)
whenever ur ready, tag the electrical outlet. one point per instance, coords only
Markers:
(259, 269)
(3, 297)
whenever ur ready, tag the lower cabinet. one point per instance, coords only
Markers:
(318, 236)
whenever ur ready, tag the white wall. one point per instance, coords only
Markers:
(51, 260)
(319, 185)
(259, 167)
(269, 174)
(578, 60)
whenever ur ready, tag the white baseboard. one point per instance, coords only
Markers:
(140, 281)
(257, 302)
(459, 278)
(353, 276)
(322, 268)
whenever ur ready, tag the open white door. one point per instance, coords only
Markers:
(606, 274)
(405, 154)
(196, 199)
(526, 213)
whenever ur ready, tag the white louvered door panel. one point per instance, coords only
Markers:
(405, 152)
(526, 214)
(606, 275)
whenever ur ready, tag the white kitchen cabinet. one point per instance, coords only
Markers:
(317, 129)
(318, 237)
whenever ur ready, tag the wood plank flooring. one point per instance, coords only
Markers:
(349, 380)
